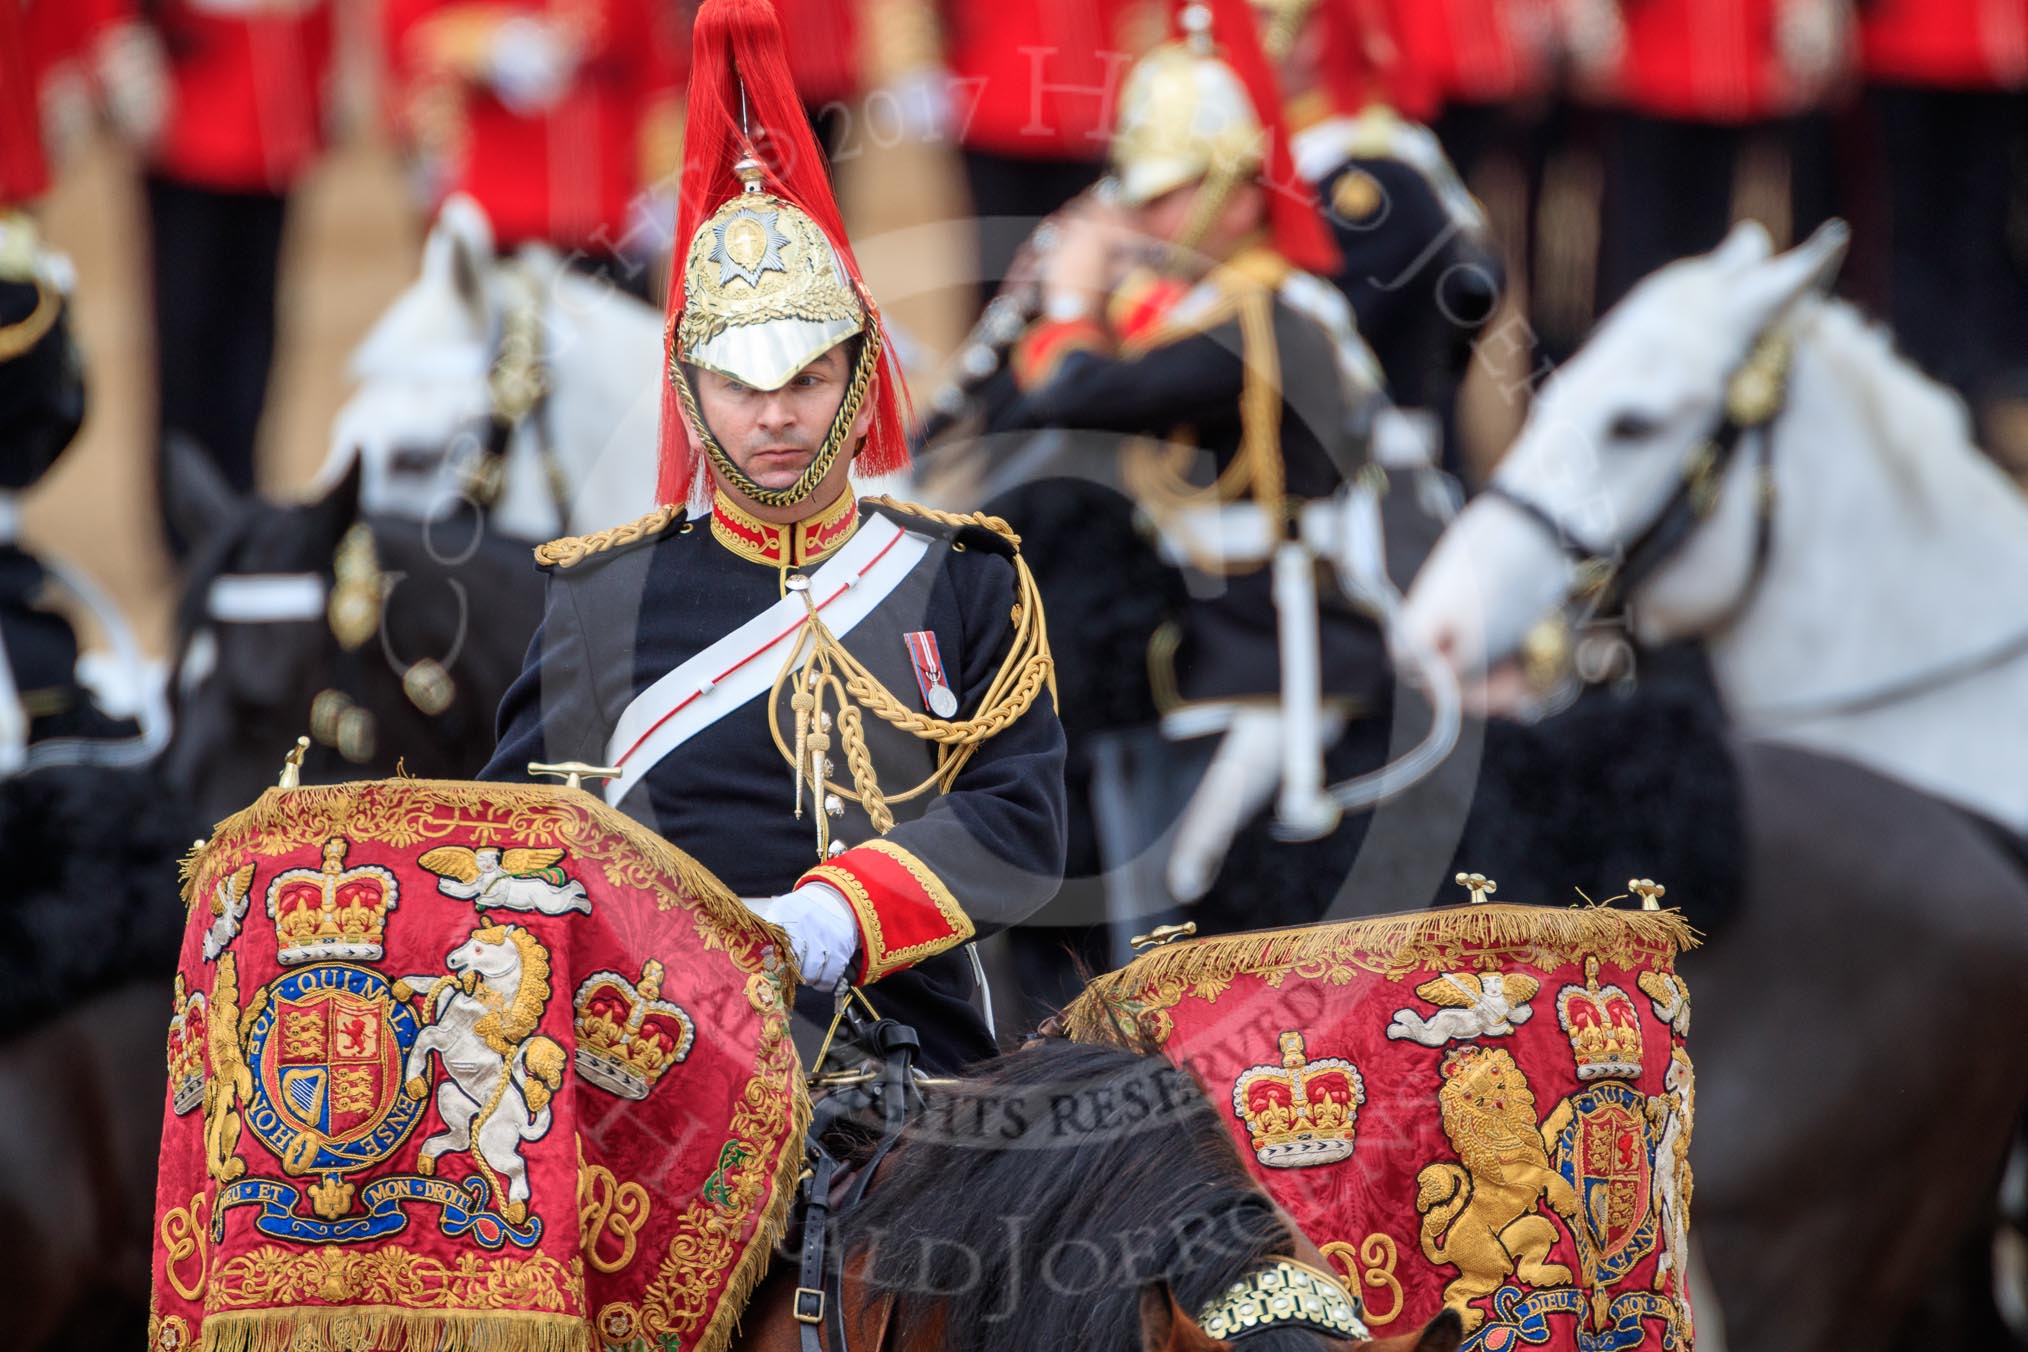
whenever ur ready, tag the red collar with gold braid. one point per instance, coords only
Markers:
(807, 541)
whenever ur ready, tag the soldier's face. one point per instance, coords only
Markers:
(1239, 216)
(772, 435)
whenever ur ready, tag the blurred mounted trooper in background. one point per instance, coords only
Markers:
(1187, 314)
(1418, 260)
(48, 714)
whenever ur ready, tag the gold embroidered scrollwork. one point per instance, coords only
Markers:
(1370, 1268)
(182, 1238)
(606, 1206)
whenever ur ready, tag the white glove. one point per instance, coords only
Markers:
(530, 64)
(823, 934)
(67, 114)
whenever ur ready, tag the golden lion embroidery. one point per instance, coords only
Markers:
(482, 1020)
(231, 1083)
(1480, 1216)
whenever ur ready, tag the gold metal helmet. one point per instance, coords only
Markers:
(1185, 116)
(764, 293)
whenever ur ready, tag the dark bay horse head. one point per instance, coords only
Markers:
(389, 641)
(1075, 1196)
(1420, 265)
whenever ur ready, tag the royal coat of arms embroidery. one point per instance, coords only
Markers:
(1535, 1174)
(326, 1047)
(393, 1124)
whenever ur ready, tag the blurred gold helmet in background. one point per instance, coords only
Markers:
(1185, 116)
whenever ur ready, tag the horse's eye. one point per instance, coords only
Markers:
(1633, 427)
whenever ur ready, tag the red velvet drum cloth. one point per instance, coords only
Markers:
(467, 1065)
(1486, 1107)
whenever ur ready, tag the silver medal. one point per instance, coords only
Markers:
(942, 702)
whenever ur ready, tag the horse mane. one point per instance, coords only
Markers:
(506, 1028)
(1919, 420)
(1034, 1200)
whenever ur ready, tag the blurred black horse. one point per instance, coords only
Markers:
(390, 641)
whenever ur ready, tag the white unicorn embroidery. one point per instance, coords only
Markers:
(482, 1021)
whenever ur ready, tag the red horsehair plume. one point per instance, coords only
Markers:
(1294, 217)
(741, 94)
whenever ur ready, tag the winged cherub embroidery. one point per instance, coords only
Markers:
(512, 879)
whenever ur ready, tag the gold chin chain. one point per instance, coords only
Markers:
(827, 454)
(823, 675)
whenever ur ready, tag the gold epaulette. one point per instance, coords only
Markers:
(577, 548)
(997, 525)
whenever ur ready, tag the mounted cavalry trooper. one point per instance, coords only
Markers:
(1419, 264)
(50, 716)
(1187, 317)
(845, 710)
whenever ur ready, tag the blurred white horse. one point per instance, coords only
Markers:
(584, 458)
(1868, 601)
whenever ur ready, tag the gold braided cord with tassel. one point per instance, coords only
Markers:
(824, 671)
(1154, 473)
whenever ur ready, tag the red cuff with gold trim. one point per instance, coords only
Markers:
(905, 912)
(1142, 302)
(1045, 345)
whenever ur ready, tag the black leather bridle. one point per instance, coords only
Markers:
(1606, 577)
(889, 1088)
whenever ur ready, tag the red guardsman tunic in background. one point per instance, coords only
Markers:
(1038, 79)
(247, 92)
(247, 84)
(1954, 44)
(23, 175)
(43, 42)
(1471, 51)
(566, 174)
(1697, 82)
(1033, 94)
(1704, 60)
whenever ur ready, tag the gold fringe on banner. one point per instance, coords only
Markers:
(391, 1328)
(774, 1226)
(186, 873)
(397, 812)
(1390, 946)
